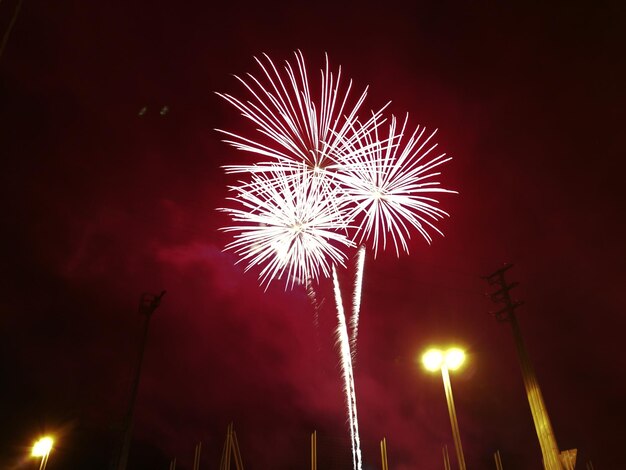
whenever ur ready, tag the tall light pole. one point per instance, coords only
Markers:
(452, 359)
(147, 305)
(42, 449)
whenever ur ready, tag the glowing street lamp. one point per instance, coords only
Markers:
(452, 359)
(42, 449)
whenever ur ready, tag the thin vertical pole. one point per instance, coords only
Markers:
(236, 451)
(453, 421)
(44, 461)
(446, 458)
(229, 446)
(383, 454)
(196, 457)
(7, 32)
(498, 459)
(223, 459)
(147, 305)
(314, 450)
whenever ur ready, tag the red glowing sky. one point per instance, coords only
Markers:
(100, 205)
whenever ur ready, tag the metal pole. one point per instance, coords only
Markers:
(44, 461)
(543, 427)
(147, 305)
(446, 458)
(229, 441)
(314, 450)
(196, 456)
(383, 454)
(535, 400)
(498, 459)
(236, 451)
(453, 421)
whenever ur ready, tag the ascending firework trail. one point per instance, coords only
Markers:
(325, 183)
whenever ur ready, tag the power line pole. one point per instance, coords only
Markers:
(148, 303)
(547, 441)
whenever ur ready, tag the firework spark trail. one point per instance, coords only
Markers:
(312, 295)
(356, 300)
(348, 374)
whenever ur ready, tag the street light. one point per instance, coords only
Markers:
(452, 359)
(42, 449)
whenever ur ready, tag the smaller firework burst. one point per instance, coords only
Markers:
(391, 182)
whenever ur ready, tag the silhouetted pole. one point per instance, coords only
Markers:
(148, 303)
(7, 32)
(547, 441)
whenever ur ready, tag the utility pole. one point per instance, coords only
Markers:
(547, 441)
(148, 303)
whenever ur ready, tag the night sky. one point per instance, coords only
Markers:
(100, 204)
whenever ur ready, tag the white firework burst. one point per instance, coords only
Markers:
(391, 182)
(294, 128)
(287, 223)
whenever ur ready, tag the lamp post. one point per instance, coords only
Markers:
(452, 359)
(42, 449)
(148, 303)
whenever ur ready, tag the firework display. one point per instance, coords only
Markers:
(326, 182)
